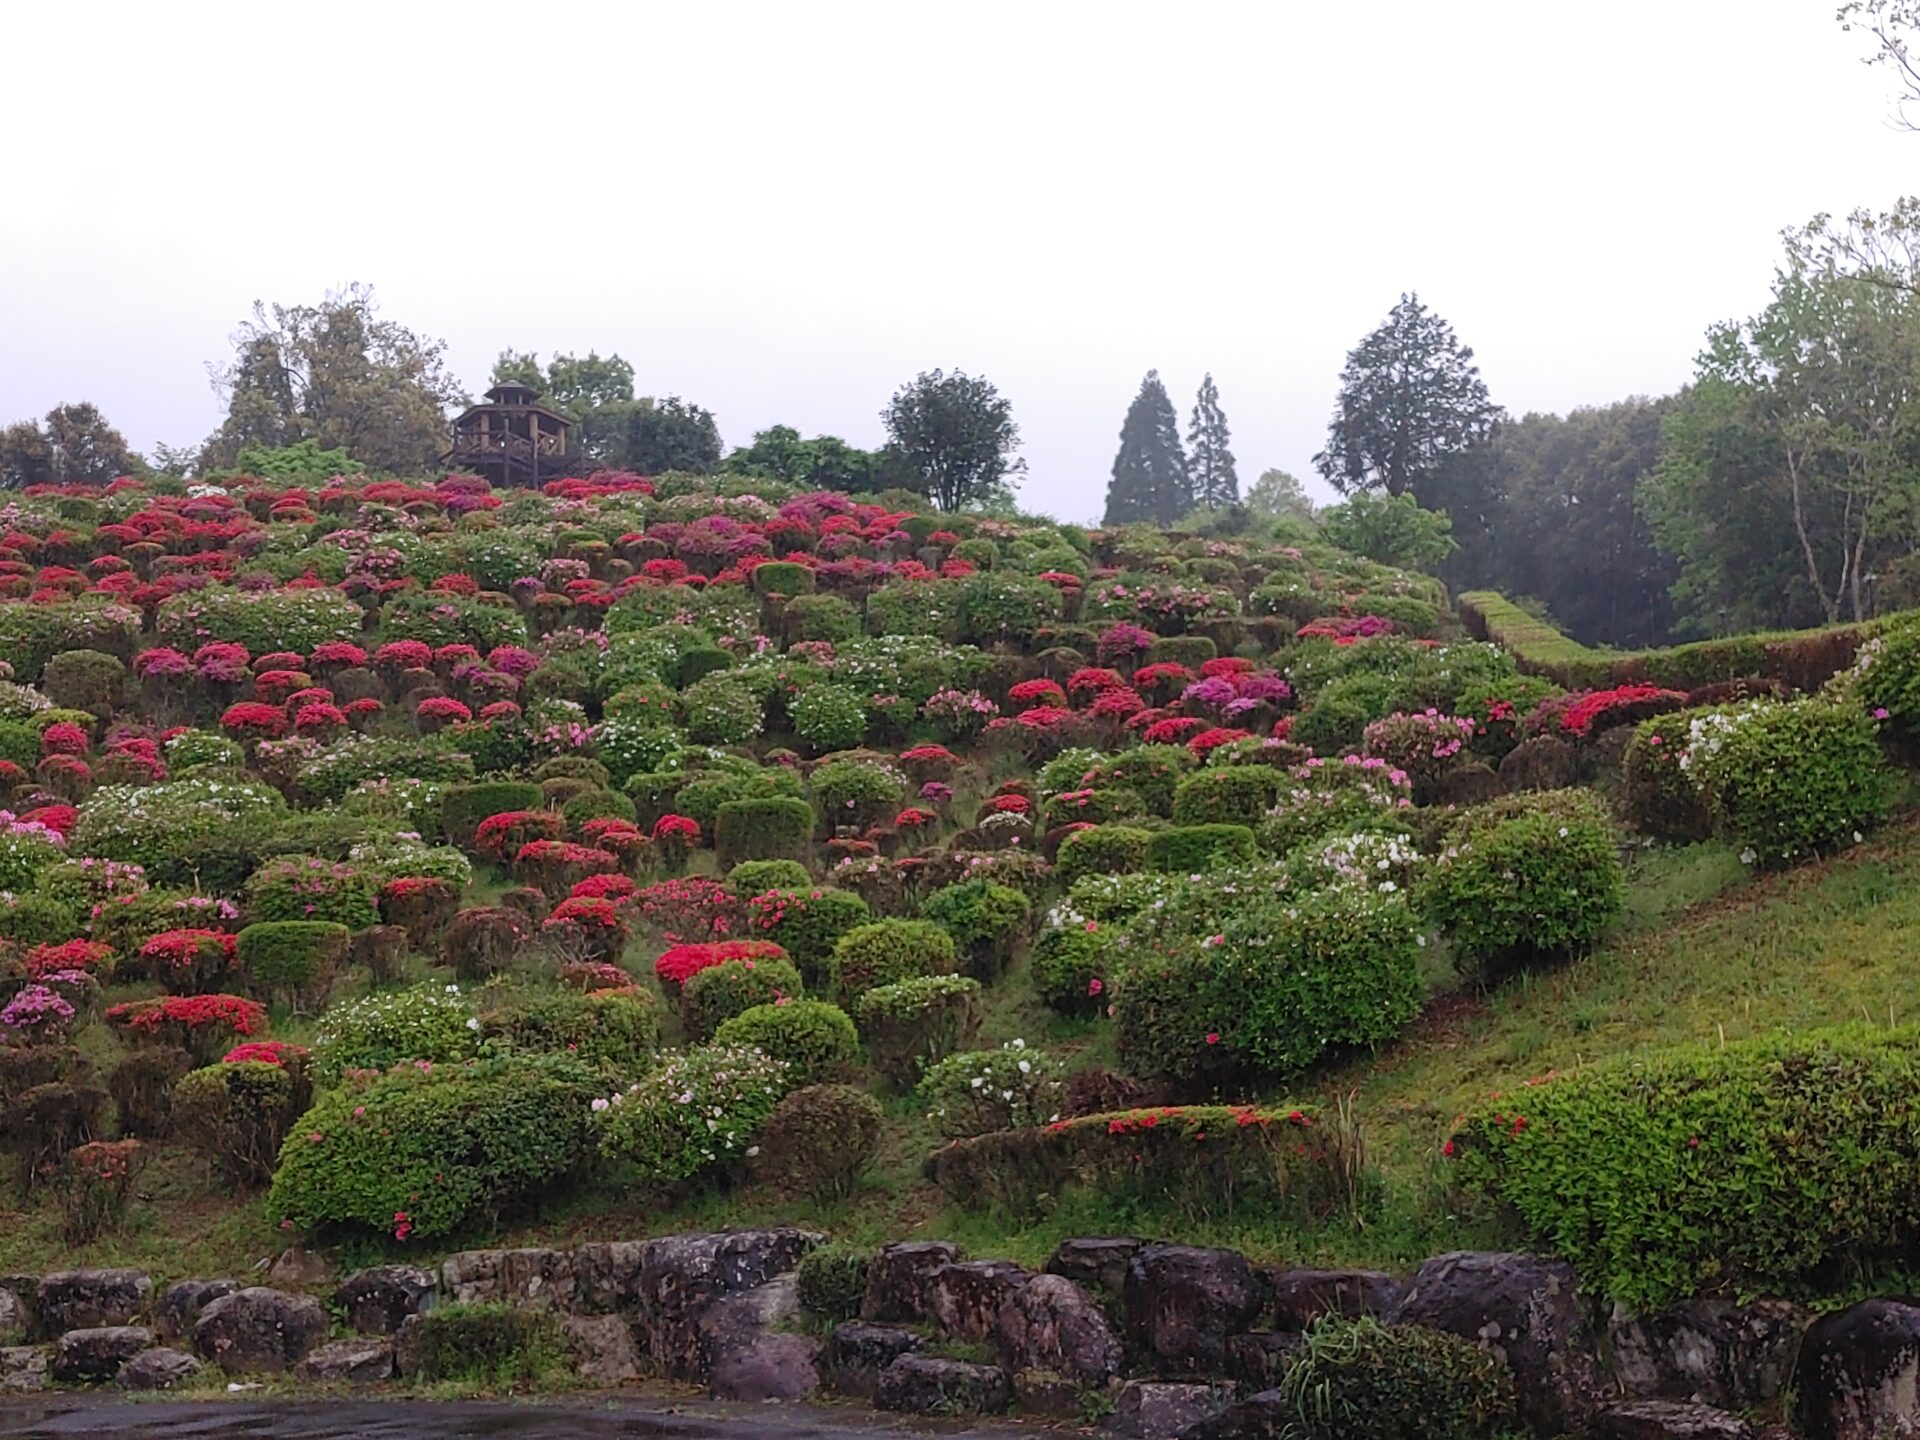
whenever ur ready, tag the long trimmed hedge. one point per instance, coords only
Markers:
(1802, 659)
(1208, 1159)
(1773, 1165)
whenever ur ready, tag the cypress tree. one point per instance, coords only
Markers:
(1150, 482)
(1209, 462)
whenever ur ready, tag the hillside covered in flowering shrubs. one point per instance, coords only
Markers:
(397, 862)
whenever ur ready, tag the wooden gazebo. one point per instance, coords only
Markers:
(512, 439)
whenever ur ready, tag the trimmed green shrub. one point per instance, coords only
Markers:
(1233, 795)
(615, 1031)
(782, 577)
(808, 923)
(30, 920)
(1072, 965)
(667, 1137)
(1361, 1380)
(756, 877)
(987, 921)
(829, 717)
(1787, 780)
(888, 951)
(425, 1022)
(833, 1281)
(910, 1024)
(306, 887)
(816, 1040)
(1282, 980)
(1102, 850)
(491, 1345)
(776, 829)
(1657, 796)
(1192, 651)
(237, 1116)
(1152, 772)
(1527, 878)
(85, 680)
(817, 1144)
(1766, 1166)
(720, 992)
(720, 710)
(1190, 849)
(428, 1151)
(822, 617)
(596, 805)
(856, 792)
(295, 957)
(977, 1091)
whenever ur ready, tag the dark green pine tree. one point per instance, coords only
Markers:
(1150, 484)
(1216, 484)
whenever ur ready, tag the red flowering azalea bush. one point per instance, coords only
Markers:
(203, 1025)
(501, 836)
(189, 962)
(554, 867)
(586, 928)
(1037, 692)
(688, 908)
(253, 720)
(680, 963)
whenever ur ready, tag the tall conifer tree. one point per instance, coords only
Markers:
(1209, 462)
(1150, 482)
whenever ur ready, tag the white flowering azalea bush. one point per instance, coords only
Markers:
(153, 824)
(261, 620)
(979, 1091)
(424, 1024)
(1525, 879)
(1382, 860)
(701, 1110)
(1787, 780)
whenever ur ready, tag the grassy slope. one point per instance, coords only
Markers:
(1706, 952)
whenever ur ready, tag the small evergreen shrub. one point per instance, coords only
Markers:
(292, 957)
(699, 1112)
(987, 921)
(719, 992)
(829, 717)
(615, 1030)
(427, 1022)
(1526, 878)
(977, 1091)
(1191, 849)
(1657, 796)
(833, 1281)
(1102, 850)
(808, 923)
(1072, 964)
(776, 829)
(238, 1116)
(1361, 1380)
(306, 887)
(1229, 795)
(596, 805)
(755, 877)
(887, 951)
(816, 1040)
(911, 1024)
(817, 1144)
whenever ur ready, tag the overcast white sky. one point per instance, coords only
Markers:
(784, 210)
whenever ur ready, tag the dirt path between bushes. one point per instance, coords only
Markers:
(78, 1417)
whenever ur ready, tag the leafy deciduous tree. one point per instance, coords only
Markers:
(1277, 495)
(75, 444)
(826, 462)
(1410, 396)
(670, 434)
(955, 434)
(1392, 529)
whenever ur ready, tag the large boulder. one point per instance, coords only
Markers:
(181, 1303)
(680, 1276)
(16, 1321)
(23, 1369)
(1667, 1420)
(748, 1353)
(858, 1351)
(603, 1350)
(513, 1277)
(1095, 1262)
(258, 1331)
(363, 1360)
(1714, 1351)
(921, 1385)
(376, 1301)
(97, 1352)
(90, 1299)
(1524, 1309)
(1301, 1297)
(1259, 1358)
(1183, 1303)
(606, 1275)
(1150, 1410)
(1859, 1373)
(1050, 1323)
(964, 1298)
(158, 1369)
(899, 1280)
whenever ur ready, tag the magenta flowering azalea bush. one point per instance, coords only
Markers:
(1426, 746)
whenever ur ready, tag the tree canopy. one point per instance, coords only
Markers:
(338, 374)
(1150, 481)
(956, 437)
(1210, 471)
(74, 444)
(826, 462)
(1410, 397)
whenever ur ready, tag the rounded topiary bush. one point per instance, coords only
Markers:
(306, 887)
(699, 1112)
(755, 877)
(1227, 795)
(815, 1039)
(426, 1152)
(463, 807)
(1787, 780)
(818, 1142)
(595, 805)
(1526, 878)
(1657, 796)
(774, 829)
(1361, 1380)
(987, 921)
(887, 951)
(720, 992)
(832, 1281)
(1014, 1087)
(292, 957)
(910, 1024)
(829, 717)
(1072, 964)
(237, 1116)
(615, 1030)
(424, 1022)
(807, 923)
(1190, 849)
(1102, 850)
